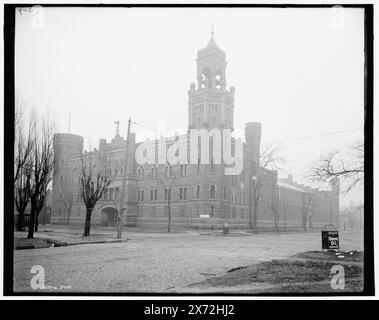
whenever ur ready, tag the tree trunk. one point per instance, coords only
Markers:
(255, 219)
(169, 216)
(119, 223)
(20, 221)
(68, 217)
(87, 225)
(36, 221)
(32, 216)
(305, 221)
(276, 222)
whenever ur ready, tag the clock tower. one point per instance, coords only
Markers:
(210, 104)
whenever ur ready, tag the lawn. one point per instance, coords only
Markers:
(304, 272)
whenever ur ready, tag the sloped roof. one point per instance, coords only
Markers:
(289, 186)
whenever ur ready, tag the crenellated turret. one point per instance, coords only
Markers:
(253, 134)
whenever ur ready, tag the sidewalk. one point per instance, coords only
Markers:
(66, 236)
(62, 235)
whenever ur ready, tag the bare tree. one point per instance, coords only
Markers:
(22, 186)
(347, 165)
(270, 159)
(93, 183)
(283, 207)
(23, 139)
(305, 209)
(67, 197)
(39, 167)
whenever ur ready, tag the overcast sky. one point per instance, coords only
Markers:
(297, 71)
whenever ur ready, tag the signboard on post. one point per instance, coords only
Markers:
(330, 238)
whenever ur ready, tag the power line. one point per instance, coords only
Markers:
(315, 136)
(292, 139)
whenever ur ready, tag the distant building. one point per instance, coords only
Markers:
(202, 196)
(352, 217)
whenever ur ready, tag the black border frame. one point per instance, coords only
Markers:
(9, 98)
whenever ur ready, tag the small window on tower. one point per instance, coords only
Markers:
(219, 80)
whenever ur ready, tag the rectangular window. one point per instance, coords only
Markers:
(183, 193)
(168, 171)
(167, 193)
(141, 172)
(154, 170)
(153, 194)
(116, 192)
(139, 195)
(184, 170)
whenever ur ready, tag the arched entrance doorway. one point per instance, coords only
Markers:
(108, 216)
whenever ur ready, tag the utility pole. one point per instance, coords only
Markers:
(250, 194)
(169, 209)
(123, 186)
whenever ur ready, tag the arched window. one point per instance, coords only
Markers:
(213, 191)
(141, 172)
(154, 170)
(219, 80)
(206, 79)
(225, 192)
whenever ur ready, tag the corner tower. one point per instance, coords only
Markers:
(210, 104)
(66, 146)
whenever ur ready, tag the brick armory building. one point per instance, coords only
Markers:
(197, 195)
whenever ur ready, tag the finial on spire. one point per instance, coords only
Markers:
(212, 30)
(117, 128)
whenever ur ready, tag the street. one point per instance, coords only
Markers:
(159, 262)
